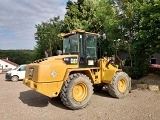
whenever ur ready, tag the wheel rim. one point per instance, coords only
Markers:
(14, 78)
(79, 91)
(122, 85)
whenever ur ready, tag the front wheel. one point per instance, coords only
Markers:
(76, 91)
(14, 78)
(120, 86)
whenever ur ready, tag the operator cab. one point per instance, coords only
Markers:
(83, 44)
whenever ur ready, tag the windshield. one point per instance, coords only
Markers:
(22, 68)
(70, 44)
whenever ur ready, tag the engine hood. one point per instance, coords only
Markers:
(59, 57)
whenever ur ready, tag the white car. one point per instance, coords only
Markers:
(16, 74)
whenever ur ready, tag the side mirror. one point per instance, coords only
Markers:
(59, 52)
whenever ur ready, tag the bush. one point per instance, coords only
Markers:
(137, 72)
(139, 68)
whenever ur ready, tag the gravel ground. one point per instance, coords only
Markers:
(18, 102)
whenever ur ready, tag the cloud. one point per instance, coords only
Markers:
(19, 17)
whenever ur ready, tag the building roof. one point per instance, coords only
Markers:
(10, 62)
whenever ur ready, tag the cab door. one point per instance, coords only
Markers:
(88, 51)
(91, 51)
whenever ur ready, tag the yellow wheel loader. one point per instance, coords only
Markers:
(76, 72)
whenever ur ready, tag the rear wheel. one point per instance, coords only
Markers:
(120, 85)
(14, 78)
(76, 91)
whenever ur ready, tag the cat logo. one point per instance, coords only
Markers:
(73, 60)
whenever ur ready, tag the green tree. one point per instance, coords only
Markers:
(149, 30)
(94, 16)
(17, 56)
(47, 37)
(147, 35)
(139, 27)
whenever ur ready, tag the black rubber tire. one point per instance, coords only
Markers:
(67, 95)
(113, 87)
(14, 78)
(97, 88)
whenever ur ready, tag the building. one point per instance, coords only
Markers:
(155, 59)
(123, 55)
(7, 64)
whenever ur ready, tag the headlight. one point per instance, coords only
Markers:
(8, 74)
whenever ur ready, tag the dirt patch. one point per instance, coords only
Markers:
(19, 102)
(150, 79)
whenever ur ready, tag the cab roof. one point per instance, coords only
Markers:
(77, 31)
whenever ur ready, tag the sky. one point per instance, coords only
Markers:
(19, 17)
